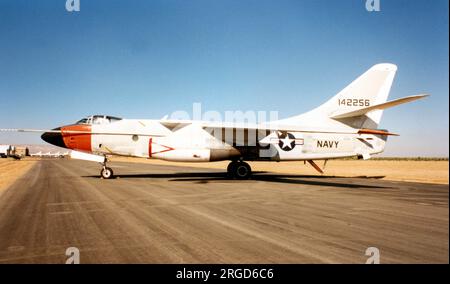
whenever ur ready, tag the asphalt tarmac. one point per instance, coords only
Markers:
(167, 214)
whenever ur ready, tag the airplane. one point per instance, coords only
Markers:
(50, 154)
(47, 155)
(59, 154)
(38, 154)
(55, 155)
(344, 126)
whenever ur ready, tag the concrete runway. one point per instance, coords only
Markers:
(155, 214)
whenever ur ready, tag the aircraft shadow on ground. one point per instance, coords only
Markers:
(206, 177)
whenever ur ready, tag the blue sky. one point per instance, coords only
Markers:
(146, 59)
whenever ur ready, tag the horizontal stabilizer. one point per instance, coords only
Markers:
(382, 106)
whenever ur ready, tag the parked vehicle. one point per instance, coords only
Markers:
(5, 151)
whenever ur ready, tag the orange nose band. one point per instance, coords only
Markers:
(77, 141)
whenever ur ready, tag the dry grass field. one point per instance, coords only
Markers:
(11, 170)
(397, 170)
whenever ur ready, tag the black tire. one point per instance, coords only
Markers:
(230, 169)
(242, 170)
(106, 173)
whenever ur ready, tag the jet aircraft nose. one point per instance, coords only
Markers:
(54, 138)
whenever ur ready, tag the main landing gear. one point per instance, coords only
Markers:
(239, 170)
(236, 169)
(106, 172)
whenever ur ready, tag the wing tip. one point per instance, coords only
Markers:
(385, 67)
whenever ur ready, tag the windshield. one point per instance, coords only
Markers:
(82, 121)
(98, 119)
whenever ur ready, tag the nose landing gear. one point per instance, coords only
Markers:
(239, 170)
(106, 172)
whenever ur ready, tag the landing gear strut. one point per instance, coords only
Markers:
(239, 170)
(106, 172)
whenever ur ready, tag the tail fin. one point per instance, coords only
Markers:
(371, 88)
(359, 105)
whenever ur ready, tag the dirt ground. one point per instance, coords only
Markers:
(397, 170)
(11, 170)
(185, 215)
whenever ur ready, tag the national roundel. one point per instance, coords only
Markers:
(286, 141)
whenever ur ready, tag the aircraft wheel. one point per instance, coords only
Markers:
(230, 168)
(106, 173)
(242, 170)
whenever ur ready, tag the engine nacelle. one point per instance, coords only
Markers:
(185, 155)
(198, 155)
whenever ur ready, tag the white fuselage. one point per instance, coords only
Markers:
(194, 142)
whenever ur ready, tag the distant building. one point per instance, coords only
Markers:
(21, 151)
(13, 151)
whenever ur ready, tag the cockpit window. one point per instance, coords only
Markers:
(113, 119)
(98, 119)
(82, 121)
